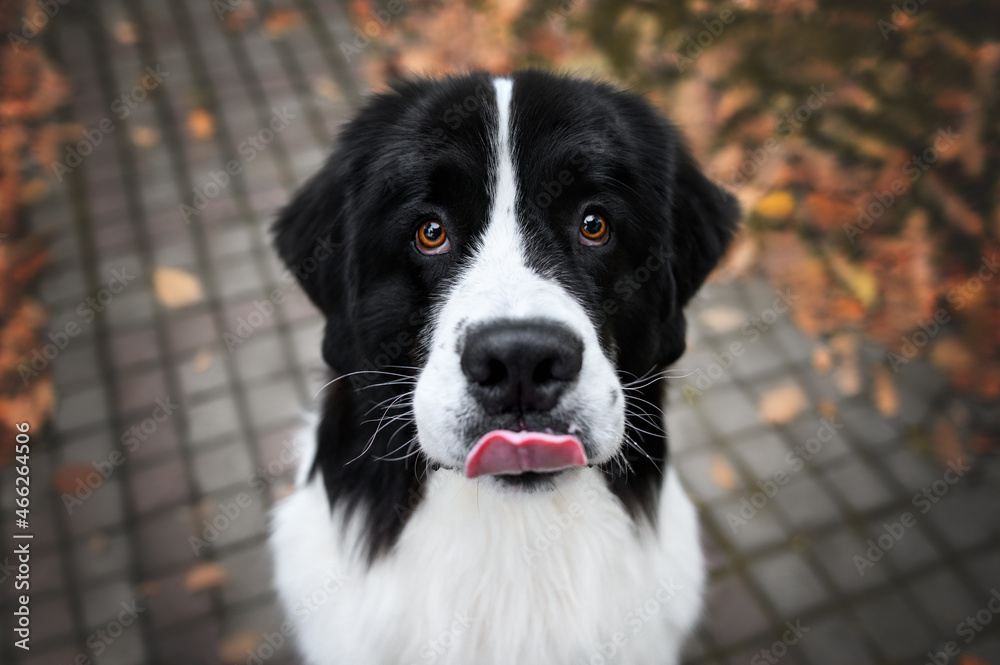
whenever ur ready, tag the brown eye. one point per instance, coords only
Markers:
(594, 230)
(432, 239)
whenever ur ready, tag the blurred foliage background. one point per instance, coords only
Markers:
(861, 137)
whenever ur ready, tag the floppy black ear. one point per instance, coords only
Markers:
(705, 218)
(309, 237)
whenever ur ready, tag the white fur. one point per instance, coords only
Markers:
(478, 577)
(499, 285)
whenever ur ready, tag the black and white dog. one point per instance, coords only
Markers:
(502, 264)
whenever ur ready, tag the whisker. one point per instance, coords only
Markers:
(360, 371)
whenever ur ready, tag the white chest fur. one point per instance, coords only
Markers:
(554, 578)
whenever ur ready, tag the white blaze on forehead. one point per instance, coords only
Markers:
(498, 284)
(502, 226)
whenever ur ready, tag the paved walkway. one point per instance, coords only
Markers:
(204, 428)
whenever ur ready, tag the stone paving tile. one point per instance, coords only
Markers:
(836, 552)
(891, 623)
(832, 641)
(163, 540)
(747, 534)
(861, 487)
(101, 556)
(222, 467)
(943, 598)
(169, 603)
(789, 583)
(731, 613)
(806, 504)
(159, 485)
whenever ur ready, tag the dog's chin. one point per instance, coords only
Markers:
(528, 482)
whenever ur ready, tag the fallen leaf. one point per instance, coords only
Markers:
(947, 443)
(233, 649)
(847, 376)
(776, 205)
(205, 576)
(201, 123)
(971, 659)
(722, 473)
(34, 191)
(822, 359)
(150, 588)
(827, 408)
(862, 283)
(124, 32)
(202, 360)
(884, 389)
(70, 478)
(281, 21)
(721, 319)
(176, 288)
(951, 355)
(143, 137)
(780, 405)
(325, 87)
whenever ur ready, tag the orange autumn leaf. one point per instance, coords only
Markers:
(281, 21)
(233, 649)
(722, 473)
(205, 576)
(201, 124)
(68, 478)
(884, 389)
(779, 406)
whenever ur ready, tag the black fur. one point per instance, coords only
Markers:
(424, 151)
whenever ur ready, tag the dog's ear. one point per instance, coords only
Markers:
(309, 236)
(705, 218)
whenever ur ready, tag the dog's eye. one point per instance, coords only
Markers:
(594, 230)
(432, 239)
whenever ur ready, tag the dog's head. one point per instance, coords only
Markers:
(513, 253)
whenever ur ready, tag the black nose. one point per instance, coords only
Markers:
(521, 365)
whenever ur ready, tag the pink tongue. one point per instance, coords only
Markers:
(505, 452)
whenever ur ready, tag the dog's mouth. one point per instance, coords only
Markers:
(526, 455)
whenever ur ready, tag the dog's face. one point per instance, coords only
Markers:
(517, 252)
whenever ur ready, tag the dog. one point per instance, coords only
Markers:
(502, 263)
